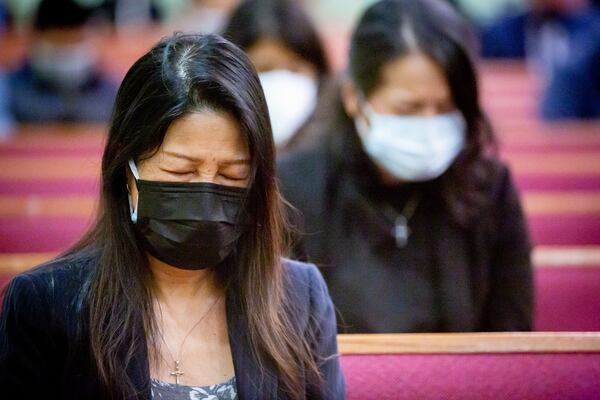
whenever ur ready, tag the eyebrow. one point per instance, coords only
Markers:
(234, 161)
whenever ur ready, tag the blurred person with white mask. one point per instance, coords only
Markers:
(285, 48)
(200, 16)
(416, 225)
(60, 79)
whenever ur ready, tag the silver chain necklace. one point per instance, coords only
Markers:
(401, 231)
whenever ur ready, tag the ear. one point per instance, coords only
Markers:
(350, 98)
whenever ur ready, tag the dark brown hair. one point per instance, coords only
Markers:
(391, 29)
(181, 74)
(283, 20)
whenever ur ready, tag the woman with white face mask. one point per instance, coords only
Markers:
(416, 227)
(283, 45)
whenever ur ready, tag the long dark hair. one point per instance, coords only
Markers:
(182, 74)
(390, 29)
(283, 20)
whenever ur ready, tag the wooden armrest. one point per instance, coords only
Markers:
(441, 343)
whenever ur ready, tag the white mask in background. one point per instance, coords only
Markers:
(64, 66)
(413, 148)
(201, 19)
(291, 99)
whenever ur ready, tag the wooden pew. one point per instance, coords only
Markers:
(53, 217)
(535, 203)
(566, 284)
(516, 366)
(567, 281)
(87, 166)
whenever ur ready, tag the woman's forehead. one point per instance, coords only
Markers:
(414, 76)
(198, 135)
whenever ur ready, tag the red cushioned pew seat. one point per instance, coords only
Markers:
(565, 229)
(567, 298)
(36, 187)
(40, 233)
(474, 376)
(542, 182)
(472, 366)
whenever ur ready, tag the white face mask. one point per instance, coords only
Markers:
(291, 99)
(65, 66)
(413, 148)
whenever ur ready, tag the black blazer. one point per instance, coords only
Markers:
(43, 353)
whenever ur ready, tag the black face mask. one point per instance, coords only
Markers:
(188, 225)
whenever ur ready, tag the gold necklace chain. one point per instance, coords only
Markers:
(177, 373)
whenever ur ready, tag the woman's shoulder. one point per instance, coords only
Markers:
(496, 178)
(59, 280)
(301, 275)
(306, 288)
(302, 178)
(302, 161)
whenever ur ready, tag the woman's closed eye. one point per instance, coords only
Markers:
(237, 170)
(180, 173)
(407, 108)
(234, 176)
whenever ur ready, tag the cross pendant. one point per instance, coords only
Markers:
(401, 232)
(177, 373)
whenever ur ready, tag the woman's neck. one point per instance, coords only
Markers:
(173, 284)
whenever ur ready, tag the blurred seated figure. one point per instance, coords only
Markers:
(482, 12)
(3, 17)
(416, 225)
(204, 16)
(560, 38)
(60, 79)
(6, 120)
(286, 50)
(573, 77)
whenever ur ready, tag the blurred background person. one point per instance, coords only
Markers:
(3, 17)
(484, 12)
(125, 13)
(204, 16)
(286, 50)
(573, 91)
(415, 223)
(568, 53)
(561, 41)
(119, 12)
(6, 120)
(61, 80)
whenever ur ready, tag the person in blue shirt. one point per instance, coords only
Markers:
(6, 120)
(573, 88)
(561, 39)
(60, 79)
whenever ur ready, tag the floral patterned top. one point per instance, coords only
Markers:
(170, 391)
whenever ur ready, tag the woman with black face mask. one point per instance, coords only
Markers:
(180, 289)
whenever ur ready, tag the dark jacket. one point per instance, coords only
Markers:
(449, 277)
(44, 350)
(572, 87)
(32, 100)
